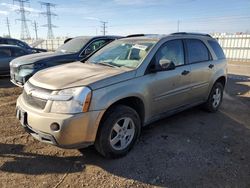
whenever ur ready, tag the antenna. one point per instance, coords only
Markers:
(49, 15)
(24, 27)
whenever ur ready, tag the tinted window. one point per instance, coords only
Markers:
(96, 45)
(17, 52)
(4, 52)
(217, 49)
(2, 41)
(17, 43)
(197, 51)
(173, 51)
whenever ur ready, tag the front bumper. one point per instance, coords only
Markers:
(76, 131)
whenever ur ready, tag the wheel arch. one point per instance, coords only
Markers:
(133, 102)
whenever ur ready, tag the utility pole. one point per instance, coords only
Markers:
(104, 27)
(8, 25)
(49, 15)
(35, 28)
(178, 26)
(24, 27)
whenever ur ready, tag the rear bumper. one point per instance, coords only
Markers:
(76, 130)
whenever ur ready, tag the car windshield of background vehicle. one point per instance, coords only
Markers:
(73, 46)
(123, 53)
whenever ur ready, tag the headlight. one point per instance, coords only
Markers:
(78, 100)
(33, 66)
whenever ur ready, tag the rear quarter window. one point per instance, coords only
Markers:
(217, 49)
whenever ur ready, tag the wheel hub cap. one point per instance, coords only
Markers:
(216, 97)
(122, 133)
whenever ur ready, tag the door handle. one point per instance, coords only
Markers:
(211, 66)
(185, 72)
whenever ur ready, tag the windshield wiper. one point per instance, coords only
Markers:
(107, 64)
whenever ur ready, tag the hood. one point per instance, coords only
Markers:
(33, 58)
(79, 74)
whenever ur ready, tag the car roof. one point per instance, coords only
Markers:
(10, 38)
(158, 37)
(10, 46)
(97, 37)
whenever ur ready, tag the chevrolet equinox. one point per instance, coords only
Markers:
(128, 84)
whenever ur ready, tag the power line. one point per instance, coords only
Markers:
(8, 25)
(49, 15)
(35, 28)
(104, 27)
(24, 27)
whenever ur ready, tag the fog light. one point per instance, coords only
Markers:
(55, 127)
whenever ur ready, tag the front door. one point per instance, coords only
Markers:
(169, 90)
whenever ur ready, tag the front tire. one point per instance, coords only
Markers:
(118, 131)
(215, 98)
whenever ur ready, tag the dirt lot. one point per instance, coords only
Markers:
(191, 149)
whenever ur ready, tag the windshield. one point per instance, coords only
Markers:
(123, 53)
(73, 46)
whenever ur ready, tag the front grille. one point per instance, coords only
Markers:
(34, 101)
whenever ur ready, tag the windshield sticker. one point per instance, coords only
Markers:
(140, 47)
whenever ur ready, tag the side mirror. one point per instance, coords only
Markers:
(166, 64)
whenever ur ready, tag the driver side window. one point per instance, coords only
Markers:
(96, 45)
(173, 51)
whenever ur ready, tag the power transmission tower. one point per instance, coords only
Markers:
(24, 27)
(49, 15)
(35, 28)
(8, 25)
(104, 27)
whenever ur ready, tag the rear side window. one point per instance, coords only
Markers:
(197, 51)
(17, 52)
(217, 49)
(5, 53)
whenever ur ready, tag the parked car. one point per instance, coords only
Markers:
(126, 85)
(7, 54)
(21, 44)
(74, 50)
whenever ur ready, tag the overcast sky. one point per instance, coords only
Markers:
(82, 17)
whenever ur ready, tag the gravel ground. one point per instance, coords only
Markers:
(191, 149)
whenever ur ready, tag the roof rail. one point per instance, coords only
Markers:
(135, 35)
(186, 33)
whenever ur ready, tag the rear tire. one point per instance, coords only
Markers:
(118, 131)
(215, 98)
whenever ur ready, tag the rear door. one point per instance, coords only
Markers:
(201, 65)
(170, 88)
(5, 58)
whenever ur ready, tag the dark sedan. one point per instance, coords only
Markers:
(22, 44)
(75, 49)
(7, 54)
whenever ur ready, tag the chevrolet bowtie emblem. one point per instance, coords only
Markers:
(29, 91)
